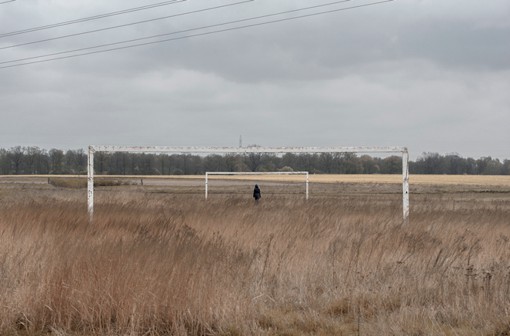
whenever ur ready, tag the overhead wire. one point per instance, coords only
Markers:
(90, 18)
(4, 2)
(176, 32)
(124, 25)
(184, 37)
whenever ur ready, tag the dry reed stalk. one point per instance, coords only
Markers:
(177, 265)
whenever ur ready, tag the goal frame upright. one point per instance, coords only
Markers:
(403, 151)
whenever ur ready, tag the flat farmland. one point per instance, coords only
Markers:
(330, 186)
(158, 259)
(489, 180)
(465, 182)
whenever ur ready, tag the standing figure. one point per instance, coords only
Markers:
(256, 193)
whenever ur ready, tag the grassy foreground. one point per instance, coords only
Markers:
(178, 265)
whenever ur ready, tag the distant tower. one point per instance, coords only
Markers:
(240, 141)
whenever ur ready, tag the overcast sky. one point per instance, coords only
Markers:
(432, 75)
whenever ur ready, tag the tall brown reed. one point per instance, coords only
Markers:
(178, 265)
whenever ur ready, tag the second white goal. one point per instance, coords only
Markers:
(304, 173)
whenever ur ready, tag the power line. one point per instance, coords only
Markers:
(184, 37)
(4, 2)
(124, 25)
(172, 33)
(90, 18)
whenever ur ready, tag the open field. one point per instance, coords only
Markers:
(336, 186)
(160, 260)
(320, 185)
(488, 180)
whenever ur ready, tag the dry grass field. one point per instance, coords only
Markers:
(160, 260)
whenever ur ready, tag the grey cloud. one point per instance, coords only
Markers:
(457, 45)
(413, 73)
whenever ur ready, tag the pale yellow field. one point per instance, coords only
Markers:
(414, 179)
(322, 178)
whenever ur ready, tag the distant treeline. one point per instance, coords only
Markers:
(33, 160)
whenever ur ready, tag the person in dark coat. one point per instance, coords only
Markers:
(256, 192)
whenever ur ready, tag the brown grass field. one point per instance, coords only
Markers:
(160, 260)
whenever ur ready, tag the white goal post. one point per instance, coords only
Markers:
(248, 150)
(207, 174)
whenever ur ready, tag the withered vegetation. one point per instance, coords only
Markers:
(175, 264)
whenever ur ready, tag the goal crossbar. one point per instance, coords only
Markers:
(247, 150)
(207, 174)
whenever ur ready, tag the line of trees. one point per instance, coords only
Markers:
(453, 164)
(34, 160)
